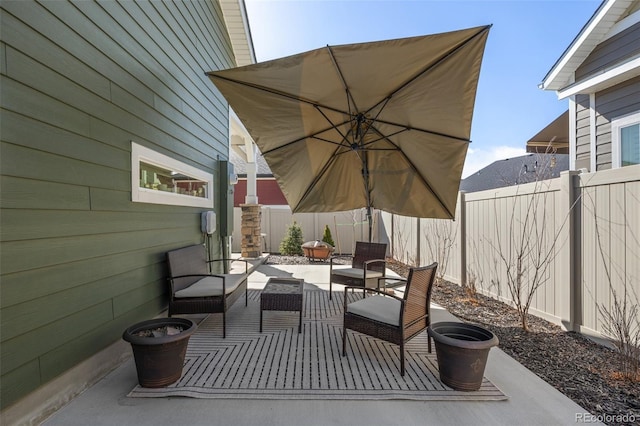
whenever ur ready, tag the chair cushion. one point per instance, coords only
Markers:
(356, 273)
(379, 308)
(211, 286)
(187, 261)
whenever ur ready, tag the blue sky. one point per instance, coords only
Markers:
(525, 41)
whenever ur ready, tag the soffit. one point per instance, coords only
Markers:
(237, 22)
(235, 17)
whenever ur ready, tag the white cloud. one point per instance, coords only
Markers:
(480, 158)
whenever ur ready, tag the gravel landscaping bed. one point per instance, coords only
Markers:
(581, 369)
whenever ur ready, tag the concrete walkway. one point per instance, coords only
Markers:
(531, 400)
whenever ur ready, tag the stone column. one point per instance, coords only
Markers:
(251, 244)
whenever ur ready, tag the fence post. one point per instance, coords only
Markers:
(392, 237)
(462, 236)
(567, 257)
(418, 258)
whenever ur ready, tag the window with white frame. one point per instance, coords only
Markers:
(160, 179)
(625, 137)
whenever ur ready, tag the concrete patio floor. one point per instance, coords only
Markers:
(531, 400)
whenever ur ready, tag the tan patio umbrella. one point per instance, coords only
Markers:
(380, 125)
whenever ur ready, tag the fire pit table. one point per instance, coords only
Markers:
(282, 294)
(317, 250)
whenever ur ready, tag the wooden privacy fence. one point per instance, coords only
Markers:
(580, 234)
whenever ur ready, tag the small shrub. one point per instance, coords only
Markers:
(291, 244)
(326, 237)
(621, 323)
(470, 286)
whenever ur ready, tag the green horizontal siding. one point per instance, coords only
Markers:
(26, 131)
(37, 224)
(24, 346)
(19, 382)
(26, 316)
(121, 269)
(80, 81)
(74, 351)
(34, 194)
(49, 167)
(18, 256)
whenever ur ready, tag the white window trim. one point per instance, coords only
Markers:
(144, 195)
(616, 125)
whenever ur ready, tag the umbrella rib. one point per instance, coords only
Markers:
(339, 145)
(313, 135)
(333, 126)
(277, 92)
(313, 184)
(386, 100)
(350, 99)
(417, 173)
(332, 158)
(384, 137)
(364, 159)
(318, 176)
(417, 129)
(432, 66)
(316, 105)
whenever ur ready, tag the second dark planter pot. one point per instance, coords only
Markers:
(462, 351)
(159, 360)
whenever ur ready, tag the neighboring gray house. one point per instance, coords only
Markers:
(516, 171)
(600, 75)
(112, 143)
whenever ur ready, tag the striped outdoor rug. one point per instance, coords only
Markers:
(279, 363)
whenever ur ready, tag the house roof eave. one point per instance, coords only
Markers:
(603, 80)
(592, 34)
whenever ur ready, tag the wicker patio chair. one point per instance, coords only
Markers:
(367, 265)
(391, 318)
(195, 290)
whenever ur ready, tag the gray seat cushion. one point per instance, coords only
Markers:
(357, 273)
(211, 286)
(379, 308)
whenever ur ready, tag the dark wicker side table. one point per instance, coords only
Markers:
(282, 294)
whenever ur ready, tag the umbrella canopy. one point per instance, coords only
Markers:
(381, 125)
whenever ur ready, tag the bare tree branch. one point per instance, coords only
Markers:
(527, 255)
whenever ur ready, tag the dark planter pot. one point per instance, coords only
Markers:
(462, 351)
(159, 360)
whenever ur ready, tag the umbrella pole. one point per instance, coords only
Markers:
(365, 173)
(369, 220)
